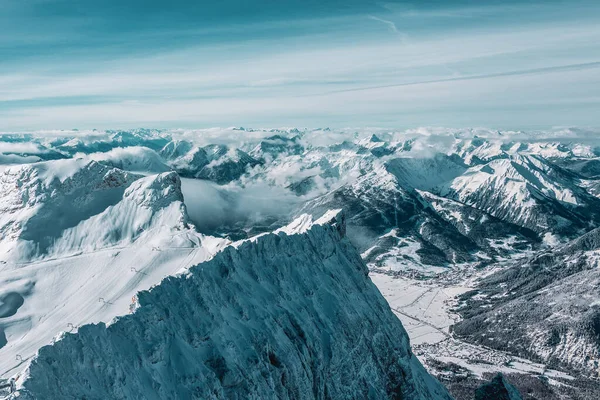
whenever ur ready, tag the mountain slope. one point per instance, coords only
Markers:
(547, 309)
(397, 226)
(527, 191)
(149, 204)
(90, 271)
(39, 201)
(493, 235)
(281, 316)
(216, 163)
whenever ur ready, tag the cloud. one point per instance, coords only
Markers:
(391, 26)
(265, 196)
(21, 148)
(12, 159)
(212, 207)
(543, 70)
(334, 69)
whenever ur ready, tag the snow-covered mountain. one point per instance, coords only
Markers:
(275, 317)
(137, 159)
(215, 163)
(39, 201)
(528, 191)
(486, 231)
(79, 240)
(150, 204)
(64, 207)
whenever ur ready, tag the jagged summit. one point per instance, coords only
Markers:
(305, 222)
(152, 209)
(276, 318)
(39, 201)
(68, 206)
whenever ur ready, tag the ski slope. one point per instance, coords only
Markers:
(64, 293)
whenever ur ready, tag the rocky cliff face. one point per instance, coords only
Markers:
(287, 315)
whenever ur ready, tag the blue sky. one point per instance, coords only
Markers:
(110, 64)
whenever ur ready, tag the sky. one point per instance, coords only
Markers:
(310, 63)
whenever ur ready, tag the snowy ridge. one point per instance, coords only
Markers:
(529, 180)
(487, 231)
(59, 208)
(39, 201)
(149, 204)
(305, 222)
(89, 272)
(213, 162)
(525, 191)
(272, 318)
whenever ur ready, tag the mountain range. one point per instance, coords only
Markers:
(228, 261)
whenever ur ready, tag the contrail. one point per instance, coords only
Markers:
(570, 67)
(390, 24)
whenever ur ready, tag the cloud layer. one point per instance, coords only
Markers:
(355, 63)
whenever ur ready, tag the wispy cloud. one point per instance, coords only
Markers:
(391, 26)
(551, 69)
(329, 64)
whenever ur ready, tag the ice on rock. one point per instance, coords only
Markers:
(289, 315)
